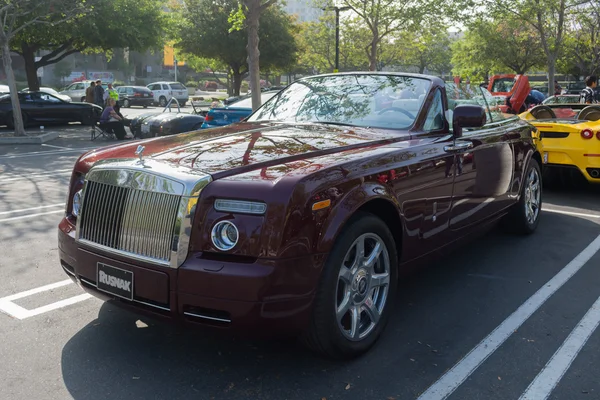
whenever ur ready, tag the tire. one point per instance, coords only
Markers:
(83, 99)
(332, 331)
(182, 104)
(126, 103)
(524, 217)
(145, 106)
(162, 101)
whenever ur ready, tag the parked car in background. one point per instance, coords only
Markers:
(76, 91)
(53, 92)
(233, 112)
(575, 88)
(301, 219)
(4, 89)
(562, 99)
(135, 96)
(164, 91)
(42, 109)
(570, 136)
(170, 121)
(511, 90)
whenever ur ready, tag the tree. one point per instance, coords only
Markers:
(548, 19)
(581, 55)
(504, 44)
(20, 16)
(204, 30)
(427, 47)
(383, 17)
(135, 24)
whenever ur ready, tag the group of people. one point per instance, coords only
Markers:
(111, 120)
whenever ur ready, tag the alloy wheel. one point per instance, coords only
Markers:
(532, 196)
(362, 287)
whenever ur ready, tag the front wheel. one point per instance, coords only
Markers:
(525, 215)
(126, 103)
(356, 294)
(162, 101)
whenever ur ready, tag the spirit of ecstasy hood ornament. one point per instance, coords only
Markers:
(140, 153)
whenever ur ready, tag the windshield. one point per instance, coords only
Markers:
(476, 95)
(177, 86)
(503, 85)
(383, 101)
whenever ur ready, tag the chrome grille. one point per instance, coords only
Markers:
(137, 222)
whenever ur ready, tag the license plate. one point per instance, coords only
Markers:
(145, 128)
(146, 95)
(115, 281)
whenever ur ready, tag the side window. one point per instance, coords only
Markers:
(435, 116)
(165, 87)
(80, 86)
(130, 90)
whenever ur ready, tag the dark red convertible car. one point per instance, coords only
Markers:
(302, 218)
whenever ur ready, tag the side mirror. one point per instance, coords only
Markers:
(467, 116)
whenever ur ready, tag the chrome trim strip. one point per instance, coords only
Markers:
(189, 314)
(150, 260)
(68, 272)
(152, 305)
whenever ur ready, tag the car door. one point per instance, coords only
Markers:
(483, 167)
(50, 108)
(424, 189)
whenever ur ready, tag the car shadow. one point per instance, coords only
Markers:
(441, 312)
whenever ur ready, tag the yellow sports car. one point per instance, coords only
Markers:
(570, 139)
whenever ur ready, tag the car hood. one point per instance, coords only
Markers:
(255, 146)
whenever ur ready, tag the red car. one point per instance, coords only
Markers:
(303, 218)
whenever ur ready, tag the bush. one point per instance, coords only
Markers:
(191, 84)
(118, 83)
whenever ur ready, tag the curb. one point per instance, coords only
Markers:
(38, 139)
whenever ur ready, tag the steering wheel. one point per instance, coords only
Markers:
(397, 109)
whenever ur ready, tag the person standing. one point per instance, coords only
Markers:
(89, 93)
(112, 94)
(587, 95)
(557, 89)
(99, 94)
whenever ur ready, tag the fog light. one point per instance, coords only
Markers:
(76, 204)
(225, 235)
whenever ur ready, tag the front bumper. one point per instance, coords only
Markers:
(264, 297)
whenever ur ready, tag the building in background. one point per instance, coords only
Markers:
(306, 10)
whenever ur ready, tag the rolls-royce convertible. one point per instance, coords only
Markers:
(301, 219)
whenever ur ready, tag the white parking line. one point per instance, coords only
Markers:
(454, 377)
(577, 214)
(14, 310)
(57, 147)
(555, 369)
(31, 215)
(32, 208)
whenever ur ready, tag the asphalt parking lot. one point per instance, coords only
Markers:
(503, 318)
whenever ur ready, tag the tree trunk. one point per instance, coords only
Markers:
(30, 68)
(551, 70)
(373, 56)
(12, 86)
(252, 20)
(237, 82)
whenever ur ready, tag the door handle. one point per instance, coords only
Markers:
(457, 147)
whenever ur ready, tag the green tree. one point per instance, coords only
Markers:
(548, 19)
(136, 24)
(204, 31)
(428, 47)
(581, 54)
(504, 44)
(17, 17)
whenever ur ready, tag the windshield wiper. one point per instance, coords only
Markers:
(337, 123)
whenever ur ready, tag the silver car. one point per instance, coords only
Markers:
(76, 90)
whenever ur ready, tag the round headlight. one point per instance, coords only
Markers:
(76, 204)
(224, 235)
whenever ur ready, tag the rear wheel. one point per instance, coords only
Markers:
(82, 99)
(126, 103)
(182, 104)
(162, 101)
(525, 215)
(357, 290)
